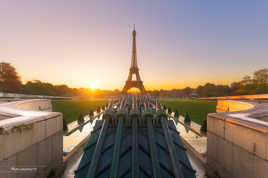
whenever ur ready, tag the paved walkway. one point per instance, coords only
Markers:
(197, 165)
(197, 141)
(72, 163)
(76, 137)
(74, 124)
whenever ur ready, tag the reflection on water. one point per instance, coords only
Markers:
(72, 140)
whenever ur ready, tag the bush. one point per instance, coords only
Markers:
(204, 126)
(169, 111)
(65, 128)
(98, 110)
(80, 119)
(187, 119)
(91, 113)
(176, 114)
(91, 116)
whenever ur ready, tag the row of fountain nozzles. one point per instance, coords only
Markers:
(129, 108)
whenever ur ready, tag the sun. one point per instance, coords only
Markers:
(92, 86)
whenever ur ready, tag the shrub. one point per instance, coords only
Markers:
(169, 111)
(65, 128)
(91, 113)
(98, 110)
(187, 119)
(81, 119)
(91, 116)
(204, 126)
(176, 114)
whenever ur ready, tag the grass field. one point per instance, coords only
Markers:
(197, 109)
(71, 109)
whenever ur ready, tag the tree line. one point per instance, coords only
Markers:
(10, 82)
(257, 84)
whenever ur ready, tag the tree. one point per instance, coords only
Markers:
(246, 80)
(234, 87)
(9, 78)
(187, 91)
(261, 76)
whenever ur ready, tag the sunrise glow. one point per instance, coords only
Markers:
(92, 86)
(179, 43)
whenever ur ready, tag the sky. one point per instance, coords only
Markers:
(87, 43)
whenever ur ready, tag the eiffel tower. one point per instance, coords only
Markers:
(130, 83)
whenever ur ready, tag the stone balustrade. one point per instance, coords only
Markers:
(238, 141)
(28, 96)
(31, 138)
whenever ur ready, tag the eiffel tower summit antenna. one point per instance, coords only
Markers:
(134, 70)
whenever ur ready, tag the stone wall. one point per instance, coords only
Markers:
(238, 97)
(4, 116)
(35, 105)
(27, 96)
(30, 143)
(238, 142)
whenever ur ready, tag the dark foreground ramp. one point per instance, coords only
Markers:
(134, 139)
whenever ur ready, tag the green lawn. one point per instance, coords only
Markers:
(197, 109)
(71, 109)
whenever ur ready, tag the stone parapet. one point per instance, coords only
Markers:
(31, 138)
(238, 141)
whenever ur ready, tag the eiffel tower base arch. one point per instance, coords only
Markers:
(134, 84)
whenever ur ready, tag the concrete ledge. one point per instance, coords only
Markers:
(250, 114)
(200, 157)
(21, 112)
(238, 141)
(32, 137)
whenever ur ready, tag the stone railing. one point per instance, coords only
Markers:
(28, 96)
(238, 97)
(238, 141)
(31, 138)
